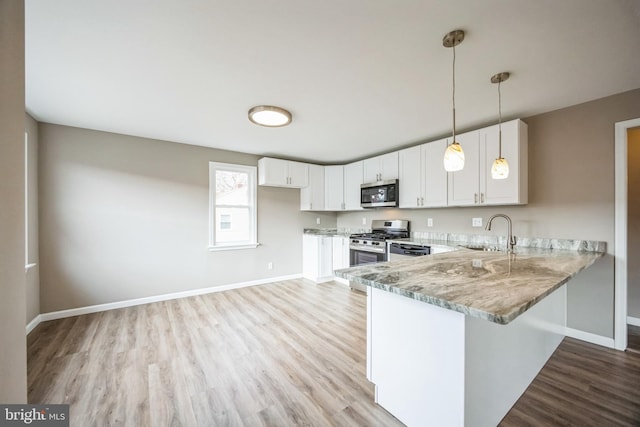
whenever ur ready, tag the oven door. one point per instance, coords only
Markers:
(359, 257)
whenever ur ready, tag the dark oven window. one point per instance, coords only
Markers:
(362, 257)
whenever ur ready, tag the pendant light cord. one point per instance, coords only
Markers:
(499, 120)
(454, 93)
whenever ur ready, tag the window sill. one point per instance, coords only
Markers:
(232, 247)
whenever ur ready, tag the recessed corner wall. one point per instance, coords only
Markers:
(123, 217)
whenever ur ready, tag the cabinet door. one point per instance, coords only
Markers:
(435, 177)
(273, 172)
(353, 174)
(381, 168)
(325, 261)
(464, 185)
(371, 170)
(337, 255)
(334, 188)
(312, 196)
(389, 166)
(410, 179)
(508, 190)
(298, 174)
(310, 254)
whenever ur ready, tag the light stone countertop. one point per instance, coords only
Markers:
(490, 285)
(327, 232)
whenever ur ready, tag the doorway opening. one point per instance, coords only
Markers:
(624, 235)
(633, 238)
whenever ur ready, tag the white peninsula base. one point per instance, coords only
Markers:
(437, 367)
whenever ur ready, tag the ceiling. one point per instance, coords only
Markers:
(360, 77)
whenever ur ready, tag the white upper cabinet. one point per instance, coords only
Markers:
(312, 196)
(381, 168)
(473, 185)
(435, 177)
(353, 178)
(464, 185)
(423, 180)
(282, 173)
(410, 178)
(513, 189)
(334, 188)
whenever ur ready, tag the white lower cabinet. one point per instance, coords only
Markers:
(340, 255)
(321, 255)
(317, 261)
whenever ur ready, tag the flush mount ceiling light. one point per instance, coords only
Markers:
(454, 155)
(270, 116)
(500, 167)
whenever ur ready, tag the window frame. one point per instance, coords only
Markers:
(252, 172)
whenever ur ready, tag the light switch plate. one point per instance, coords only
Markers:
(476, 222)
(429, 222)
(364, 221)
(318, 220)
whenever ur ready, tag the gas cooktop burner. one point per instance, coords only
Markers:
(382, 230)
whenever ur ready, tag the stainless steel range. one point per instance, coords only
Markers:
(368, 248)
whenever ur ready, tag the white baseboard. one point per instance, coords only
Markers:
(146, 300)
(34, 322)
(589, 337)
(633, 321)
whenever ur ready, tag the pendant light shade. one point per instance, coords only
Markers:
(454, 158)
(500, 167)
(454, 155)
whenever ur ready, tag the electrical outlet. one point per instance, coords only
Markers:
(318, 220)
(476, 222)
(476, 263)
(270, 266)
(364, 221)
(429, 222)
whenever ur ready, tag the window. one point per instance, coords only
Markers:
(232, 213)
(225, 222)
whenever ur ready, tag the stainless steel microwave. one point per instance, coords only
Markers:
(379, 194)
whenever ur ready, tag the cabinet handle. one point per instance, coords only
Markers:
(417, 201)
(475, 197)
(311, 206)
(421, 201)
(481, 197)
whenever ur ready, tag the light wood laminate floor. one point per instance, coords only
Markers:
(285, 354)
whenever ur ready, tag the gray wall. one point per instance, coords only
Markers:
(33, 274)
(123, 217)
(633, 224)
(571, 195)
(13, 360)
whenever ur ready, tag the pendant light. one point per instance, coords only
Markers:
(500, 167)
(454, 155)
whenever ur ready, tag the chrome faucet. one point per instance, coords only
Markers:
(511, 239)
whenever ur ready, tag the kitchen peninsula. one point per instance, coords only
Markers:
(454, 339)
